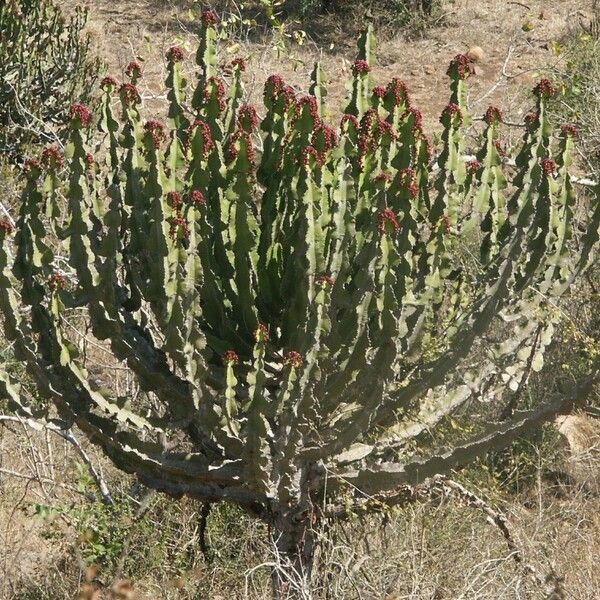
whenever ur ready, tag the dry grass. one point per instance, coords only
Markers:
(440, 549)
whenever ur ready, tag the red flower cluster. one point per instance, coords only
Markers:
(408, 180)
(351, 119)
(397, 90)
(180, 224)
(373, 130)
(80, 115)
(324, 138)
(276, 88)
(32, 167)
(544, 89)
(197, 198)
(325, 281)
(109, 81)
(383, 177)
(208, 142)
(6, 225)
(52, 158)
(247, 118)
(133, 71)
(368, 131)
(361, 67)
(500, 148)
(493, 115)
(568, 129)
(157, 131)
(417, 128)
(232, 150)
(461, 66)
(209, 18)
(175, 201)
(261, 334)
(215, 89)
(379, 92)
(294, 359)
(548, 167)
(473, 167)
(129, 94)
(231, 358)
(531, 118)
(57, 282)
(387, 219)
(240, 63)
(311, 151)
(175, 54)
(311, 103)
(451, 111)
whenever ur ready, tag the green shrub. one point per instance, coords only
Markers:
(45, 65)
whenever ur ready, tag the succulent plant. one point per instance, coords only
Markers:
(46, 64)
(299, 302)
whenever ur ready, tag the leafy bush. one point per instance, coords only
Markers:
(45, 65)
(579, 89)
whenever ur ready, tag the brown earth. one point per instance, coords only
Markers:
(519, 41)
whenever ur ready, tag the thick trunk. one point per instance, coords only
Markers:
(295, 541)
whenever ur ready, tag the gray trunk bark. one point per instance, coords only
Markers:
(295, 543)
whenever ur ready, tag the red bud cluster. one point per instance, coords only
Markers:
(408, 180)
(240, 63)
(544, 89)
(383, 177)
(493, 115)
(461, 66)
(209, 18)
(451, 111)
(80, 115)
(473, 167)
(387, 220)
(129, 94)
(417, 128)
(548, 167)
(197, 198)
(175, 201)
(52, 158)
(379, 92)
(231, 358)
(232, 150)
(180, 224)
(325, 281)
(175, 54)
(294, 359)
(397, 91)
(208, 142)
(108, 81)
(361, 67)
(32, 167)
(57, 282)
(261, 334)
(247, 118)
(215, 89)
(6, 225)
(570, 130)
(134, 71)
(157, 132)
